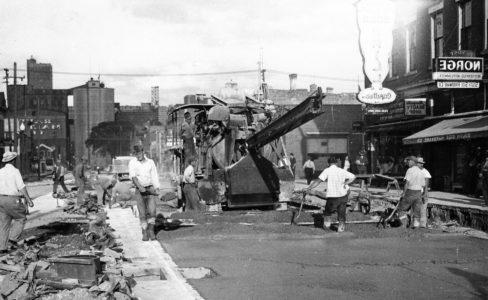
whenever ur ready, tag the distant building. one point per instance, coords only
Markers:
(155, 96)
(331, 134)
(39, 75)
(93, 103)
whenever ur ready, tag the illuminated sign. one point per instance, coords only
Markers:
(375, 20)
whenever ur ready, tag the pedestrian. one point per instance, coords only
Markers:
(187, 134)
(309, 168)
(12, 207)
(362, 162)
(338, 181)
(484, 179)
(190, 188)
(143, 173)
(412, 193)
(58, 177)
(425, 193)
(293, 163)
(79, 174)
(347, 164)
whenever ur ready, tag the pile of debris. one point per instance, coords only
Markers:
(89, 206)
(94, 271)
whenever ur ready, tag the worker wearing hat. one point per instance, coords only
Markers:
(412, 192)
(187, 134)
(12, 188)
(425, 194)
(143, 173)
(362, 162)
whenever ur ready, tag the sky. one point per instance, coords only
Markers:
(147, 40)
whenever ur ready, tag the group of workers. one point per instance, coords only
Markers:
(414, 196)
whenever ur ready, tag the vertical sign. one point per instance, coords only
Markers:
(375, 19)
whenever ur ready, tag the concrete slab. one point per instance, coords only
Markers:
(149, 255)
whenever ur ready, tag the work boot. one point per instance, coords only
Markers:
(341, 227)
(144, 235)
(150, 231)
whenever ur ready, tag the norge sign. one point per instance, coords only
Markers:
(458, 68)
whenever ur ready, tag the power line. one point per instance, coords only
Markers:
(311, 75)
(195, 74)
(148, 74)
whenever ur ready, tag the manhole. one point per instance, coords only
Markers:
(197, 273)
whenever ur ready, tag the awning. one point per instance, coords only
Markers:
(451, 130)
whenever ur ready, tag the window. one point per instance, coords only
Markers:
(438, 35)
(390, 66)
(466, 28)
(411, 47)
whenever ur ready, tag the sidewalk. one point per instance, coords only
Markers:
(148, 257)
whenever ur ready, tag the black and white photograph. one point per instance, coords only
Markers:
(243, 149)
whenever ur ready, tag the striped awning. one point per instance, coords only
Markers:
(451, 130)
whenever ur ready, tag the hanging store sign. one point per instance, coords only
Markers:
(458, 85)
(415, 106)
(458, 68)
(375, 19)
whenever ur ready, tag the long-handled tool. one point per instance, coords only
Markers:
(304, 193)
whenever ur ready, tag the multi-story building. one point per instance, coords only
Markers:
(445, 125)
(93, 103)
(42, 113)
(39, 75)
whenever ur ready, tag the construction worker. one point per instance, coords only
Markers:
(79, 174)
(187, 134)
(362, 162)
(58, 177)
(412, 192)
(190, 187)
(12, 188)
(425, 193)
(103, 186)
(143, 173)
(338, 181)
(309, 169)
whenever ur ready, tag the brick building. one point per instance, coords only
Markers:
(43, 114)
(432, 32)
(331, 133)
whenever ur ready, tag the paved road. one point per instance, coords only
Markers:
(364, 263)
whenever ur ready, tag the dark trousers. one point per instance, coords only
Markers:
(413, 200)
(11, 209)
(146, 204)
(59, 181)
(308, 174)
(362, 169)
(336, 204)
(192, 200)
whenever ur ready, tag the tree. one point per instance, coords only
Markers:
(114, 138)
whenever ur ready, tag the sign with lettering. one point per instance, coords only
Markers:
(375, 19)
(458, 68)
(458, 85)
(415, 106)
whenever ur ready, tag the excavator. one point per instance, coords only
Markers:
(242, 159)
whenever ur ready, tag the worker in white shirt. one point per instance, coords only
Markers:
(412, 192)
(192, 199)
(143, 173)
(309, 169)
(425, 194)
(338, 181)
(12, 188)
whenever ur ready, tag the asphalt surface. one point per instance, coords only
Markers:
(272, 260)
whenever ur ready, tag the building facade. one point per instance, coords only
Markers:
(39, 75)
(433, 32)
(93, 103)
